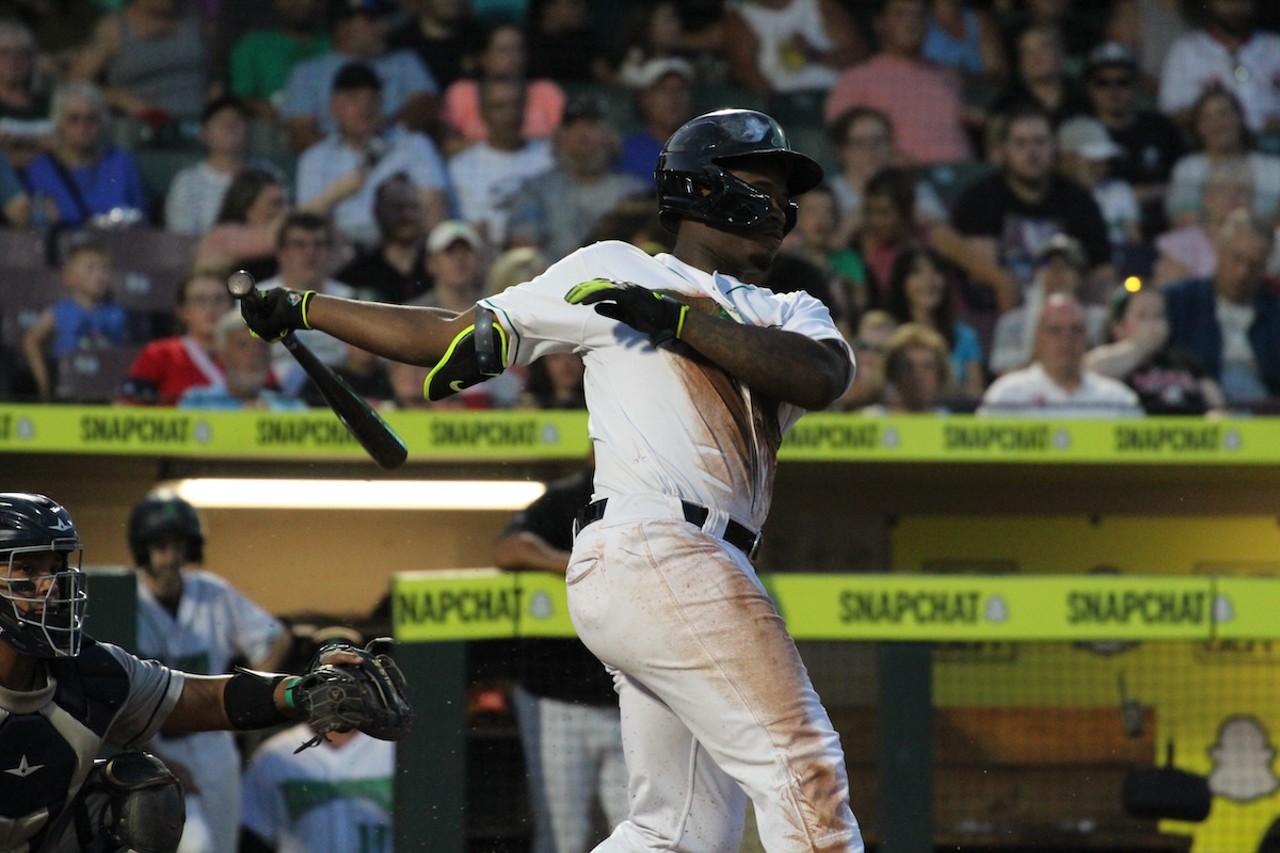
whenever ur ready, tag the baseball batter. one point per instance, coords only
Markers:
(193, 620)
(692, 378)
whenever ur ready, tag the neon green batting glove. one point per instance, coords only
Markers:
(648, 311)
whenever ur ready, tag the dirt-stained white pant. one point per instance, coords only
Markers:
(715, 698)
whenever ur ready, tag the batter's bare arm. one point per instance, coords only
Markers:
(406, 333)
(784, 365)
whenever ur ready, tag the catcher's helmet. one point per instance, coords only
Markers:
(163, 513)
(40, 622)
(694, 182)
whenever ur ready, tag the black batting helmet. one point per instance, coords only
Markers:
(163, 513)
(45, 622)
(693, 178)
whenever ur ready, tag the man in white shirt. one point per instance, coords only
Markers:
(1230, 52)
(1057, 385)
(359, 146)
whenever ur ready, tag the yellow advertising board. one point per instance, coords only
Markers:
(520, 434)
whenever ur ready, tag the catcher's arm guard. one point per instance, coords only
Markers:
(347, 688)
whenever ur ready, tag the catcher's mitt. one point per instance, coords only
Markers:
(338, 695)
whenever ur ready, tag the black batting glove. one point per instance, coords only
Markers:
(655, 314)
(276, 312)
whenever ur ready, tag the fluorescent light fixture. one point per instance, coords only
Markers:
(238, 493)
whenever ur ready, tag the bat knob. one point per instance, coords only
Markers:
(240, 284)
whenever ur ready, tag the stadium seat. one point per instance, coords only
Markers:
(22, 249)
(95, 375)
(23, 296)
(149, 260)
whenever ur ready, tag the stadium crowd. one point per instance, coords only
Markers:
(1031, 206)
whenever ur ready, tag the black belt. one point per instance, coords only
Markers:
(738, 535)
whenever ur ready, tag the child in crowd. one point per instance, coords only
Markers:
(85, 319)
(1085, 151)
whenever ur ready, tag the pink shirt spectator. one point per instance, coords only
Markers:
(1191, 247)
(544, 104)
(927, 125)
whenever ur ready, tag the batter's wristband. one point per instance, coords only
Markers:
(302, 307)
(249, 700)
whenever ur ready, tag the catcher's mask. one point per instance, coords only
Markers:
(694, 181)
(42, 612)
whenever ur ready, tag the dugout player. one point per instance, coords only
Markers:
(193, 620)
(692, 378)
(64, 698)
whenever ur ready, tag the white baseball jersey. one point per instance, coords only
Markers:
(214, 624)
(663, 421)
(326, 799)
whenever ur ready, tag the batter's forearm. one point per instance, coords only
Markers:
(783, 365)
(404, 333)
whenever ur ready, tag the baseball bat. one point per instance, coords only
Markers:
(379, 440)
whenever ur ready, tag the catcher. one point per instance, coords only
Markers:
(64, 698)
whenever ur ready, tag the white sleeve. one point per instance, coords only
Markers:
(253, 629)
(309, 175)
(1179, 85)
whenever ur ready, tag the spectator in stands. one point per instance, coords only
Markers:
(563, 44)
(1219, 133)
(169, 366)
(1006, 218)
(392, 269)
(1226, 51)
(1150, 143)
(443, 33)
(664, 101)
(1080, 31)
(15, 204)
(557, 209)
(83, 178)
(816, 238)
(358, 29)
(915, 373)
(1167, 380)
(888, 229)
(408, 384)
(151, 59)
(555, 382)
(486, 176)
(863, 141)
(243, 235)
(262, 58)
(1231, 321)
(245, 360)
(929, 127)
(1085, 152)
(1147, 28)
(874, 329)
(1058, 384)
(304, 251)
(1188, 251)
(1041, 77)
(653, 30)
(26, 125)
(1060, 268)
(505, 58)
(919, 293)
(196, 192)
(786, 47)
(85, 319)
(358, 146)
(512, 267)
(965, 39)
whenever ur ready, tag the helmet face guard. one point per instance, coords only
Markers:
(44, 616)
(693, 173)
